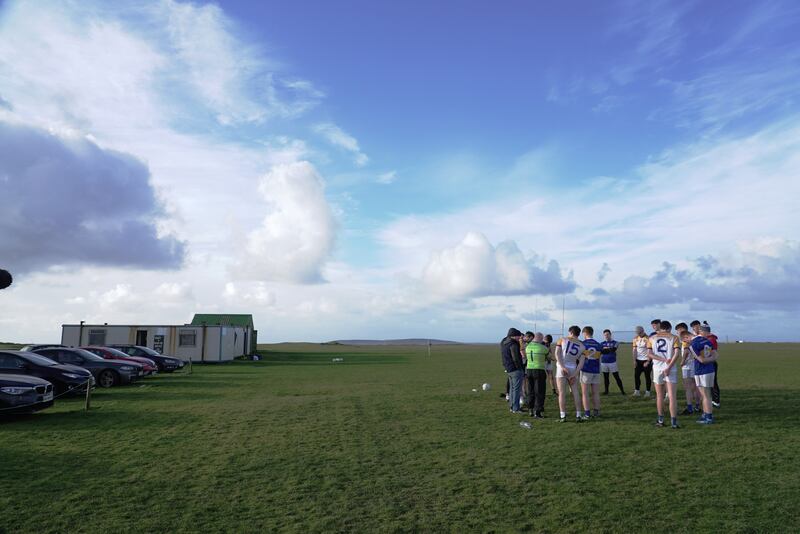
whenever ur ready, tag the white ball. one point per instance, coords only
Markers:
(486, 387)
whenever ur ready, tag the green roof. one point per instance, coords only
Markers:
(224, 319)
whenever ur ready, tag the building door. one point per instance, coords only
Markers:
(141, 338)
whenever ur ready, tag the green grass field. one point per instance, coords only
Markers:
(392, 440)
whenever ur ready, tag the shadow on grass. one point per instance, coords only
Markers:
(99, 418)
(311, 358)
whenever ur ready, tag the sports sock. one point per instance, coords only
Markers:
(586, 413)
(689, 408)
(674, 421)
(578, 414)
(563, 414)
(660, 418)
(596, 412)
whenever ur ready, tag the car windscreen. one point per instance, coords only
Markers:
(150, 351)
(116, 353)
(89, 355)
(38, 360)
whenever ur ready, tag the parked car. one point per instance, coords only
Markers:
(108, 373)
(65, 378)
(150, 367)
(166, 364)
(24, 394)
(32, 348)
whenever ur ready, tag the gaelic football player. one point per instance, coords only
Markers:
(569, 362)
(687, 372)
(663, 349)
(590, 374)
(704, 357)
(608, 361)
(641, 363)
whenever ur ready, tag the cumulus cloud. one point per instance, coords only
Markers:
(476, 268)
(762, 274)
(67, 201)
(296, 237)
(341, 139)
(258, 294)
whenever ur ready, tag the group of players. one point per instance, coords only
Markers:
(529, 360)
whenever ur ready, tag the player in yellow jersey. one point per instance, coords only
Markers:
(663, 349)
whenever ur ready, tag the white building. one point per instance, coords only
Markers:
(201, 343)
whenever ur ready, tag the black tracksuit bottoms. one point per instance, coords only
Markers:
(637, 377)
(537, 382)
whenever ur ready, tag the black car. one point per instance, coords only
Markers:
(34, 348)
(65, 378)
(107, 372)
(166, 364)
(21, 394)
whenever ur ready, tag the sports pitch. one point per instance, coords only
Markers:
(391, 440)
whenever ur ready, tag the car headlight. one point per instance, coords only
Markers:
(126, 368)
(16, 390)
(74, 375)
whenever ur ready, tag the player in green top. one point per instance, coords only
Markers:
(536, 373)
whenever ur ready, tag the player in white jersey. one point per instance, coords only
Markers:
(687, 371)
(641, 363)
(569, 358)
(663, 349)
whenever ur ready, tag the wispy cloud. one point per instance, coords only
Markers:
(387, 178)
(341, 139)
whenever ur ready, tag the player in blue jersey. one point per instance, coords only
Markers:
(569, 362)
(590, 374)
(608, 361)
(704, 356)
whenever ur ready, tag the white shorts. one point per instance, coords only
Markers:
(688, 372)
(704, 381)
(590, 378)
(660, 378)
(560, 371)
(609, 367)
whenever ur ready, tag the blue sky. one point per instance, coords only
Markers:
(376, 169)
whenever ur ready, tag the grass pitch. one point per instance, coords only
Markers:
(392, 440)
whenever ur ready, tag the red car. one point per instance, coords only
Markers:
(150, 367)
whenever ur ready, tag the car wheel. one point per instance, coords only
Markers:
(107, 379)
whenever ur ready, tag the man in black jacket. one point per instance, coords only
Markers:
(512, 363)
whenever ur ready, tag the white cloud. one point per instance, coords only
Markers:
(225, 69)
(341, 139)
(476, 268)
(387, 177)
(257, 294)
(297, 235)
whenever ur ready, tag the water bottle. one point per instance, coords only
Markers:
(526, 424)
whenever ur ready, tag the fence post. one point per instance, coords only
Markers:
(88, 393)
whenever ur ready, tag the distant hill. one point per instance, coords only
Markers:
(412, 341)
